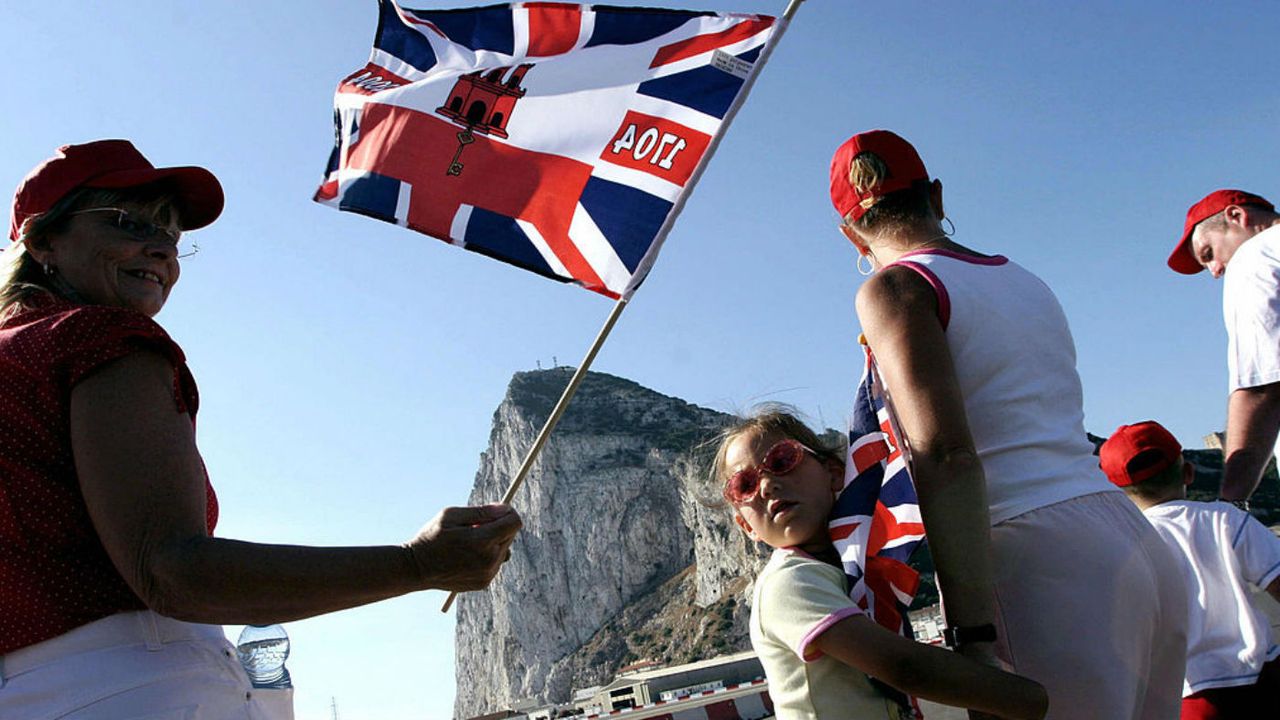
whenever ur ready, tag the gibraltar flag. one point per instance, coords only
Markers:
(558, 137)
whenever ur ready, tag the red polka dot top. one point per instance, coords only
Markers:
(54, 573)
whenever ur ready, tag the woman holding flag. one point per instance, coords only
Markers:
(1041, 565)
(112, 583)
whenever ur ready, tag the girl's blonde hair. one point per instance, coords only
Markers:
(771, 418)
(22, 278)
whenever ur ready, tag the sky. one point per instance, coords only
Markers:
(349, 369)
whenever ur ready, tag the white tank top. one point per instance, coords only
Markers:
(1016, 363)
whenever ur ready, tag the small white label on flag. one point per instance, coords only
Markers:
(737, 67)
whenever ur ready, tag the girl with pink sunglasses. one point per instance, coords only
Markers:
(819, 650)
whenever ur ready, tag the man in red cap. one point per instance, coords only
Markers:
(1236, 234)
(1232, 666)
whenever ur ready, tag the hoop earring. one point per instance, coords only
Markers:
(947, 220)
(48, 269)
(870, 268)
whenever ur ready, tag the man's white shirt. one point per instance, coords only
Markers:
(1251, 312)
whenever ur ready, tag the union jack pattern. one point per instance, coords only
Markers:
(876, 525)
(558, 137)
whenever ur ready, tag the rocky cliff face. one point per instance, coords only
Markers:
(618, 561)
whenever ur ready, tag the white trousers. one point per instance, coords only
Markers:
(1092, 604)
(135, 666)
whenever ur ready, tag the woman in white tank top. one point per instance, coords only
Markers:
(1041, 565)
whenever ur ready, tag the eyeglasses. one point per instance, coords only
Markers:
(782, 458)
(143, 231)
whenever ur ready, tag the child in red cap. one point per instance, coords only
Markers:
(1232, 671)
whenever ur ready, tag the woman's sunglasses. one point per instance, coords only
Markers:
(782, 458)
(143, 231)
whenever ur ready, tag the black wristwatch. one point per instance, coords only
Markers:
(954, 637)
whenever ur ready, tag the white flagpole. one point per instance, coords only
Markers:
(563, 403)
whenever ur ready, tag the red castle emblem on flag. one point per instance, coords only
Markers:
(482, 102)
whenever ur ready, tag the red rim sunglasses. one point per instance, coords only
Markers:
(785, 456)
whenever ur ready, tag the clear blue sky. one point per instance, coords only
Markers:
(349, 369)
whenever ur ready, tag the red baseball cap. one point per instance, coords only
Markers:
(1182, 260)
(1129, 441)
(905, 167)
(113, 164)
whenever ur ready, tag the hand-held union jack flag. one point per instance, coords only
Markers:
(557, 137)
(876, 525)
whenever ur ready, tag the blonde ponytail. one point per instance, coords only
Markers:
(867, 172)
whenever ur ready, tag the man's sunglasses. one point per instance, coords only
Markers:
(143, 231)
(782, 458)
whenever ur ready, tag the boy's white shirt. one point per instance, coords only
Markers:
(1223, 550)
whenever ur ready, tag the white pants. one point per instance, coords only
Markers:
(135, 666)
(1093, 605)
